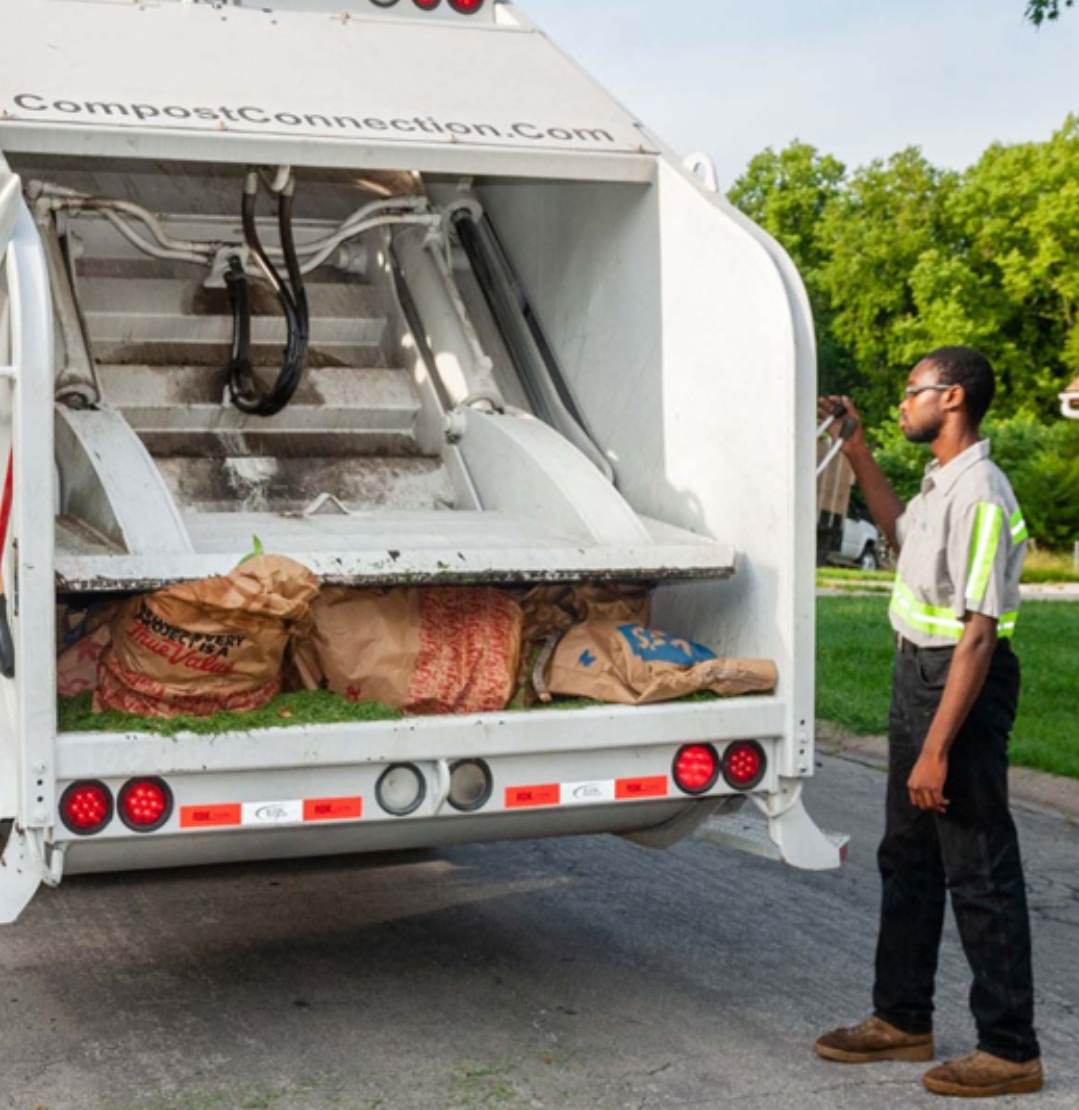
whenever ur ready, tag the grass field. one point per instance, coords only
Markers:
(855, 647)
(1038, 567)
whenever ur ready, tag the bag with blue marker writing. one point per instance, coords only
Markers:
(626, 663)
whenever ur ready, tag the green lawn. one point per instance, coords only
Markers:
(854, 662)
(1038, 567)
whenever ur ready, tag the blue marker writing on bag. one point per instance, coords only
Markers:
(654, 646)
(586, 659)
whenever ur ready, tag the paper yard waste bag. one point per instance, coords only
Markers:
(626, 663)
(429, 650)
(82, 636)
(77, 666)
(550, 609)
(202, 647)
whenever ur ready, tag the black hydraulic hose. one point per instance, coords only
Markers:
(512, 310)
(245, 392)
(292, 264)
(241, 378)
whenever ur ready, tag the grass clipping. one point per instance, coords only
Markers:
(307, 707)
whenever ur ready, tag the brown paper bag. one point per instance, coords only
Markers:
(84, 635)
(440, 649)
(626, 663)
(202, 647)
(550, 609)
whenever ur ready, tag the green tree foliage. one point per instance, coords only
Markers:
(1041, 459)
(787, 193)
(889, 216)
(900, 257)
(1038, 11)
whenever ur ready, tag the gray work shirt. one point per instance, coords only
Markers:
(962, 543)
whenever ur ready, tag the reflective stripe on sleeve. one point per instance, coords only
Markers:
(988, 523)
(1019, 527)
(919, 617)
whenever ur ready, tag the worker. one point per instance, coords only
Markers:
(960, 545)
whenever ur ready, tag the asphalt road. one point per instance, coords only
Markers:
(570, 975)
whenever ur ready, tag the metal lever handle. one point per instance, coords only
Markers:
(846, 430)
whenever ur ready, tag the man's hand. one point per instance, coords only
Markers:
(884, 504)
(926, 782)
(847, 422)
(966, 677)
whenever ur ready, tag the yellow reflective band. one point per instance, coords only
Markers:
(1018, 527)
(987, 527)
(919, 617)
(1006, 625)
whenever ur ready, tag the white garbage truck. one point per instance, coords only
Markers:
(396, 287)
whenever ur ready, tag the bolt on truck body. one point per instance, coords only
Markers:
(542, 349)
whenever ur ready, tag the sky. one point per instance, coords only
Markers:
(859, 79)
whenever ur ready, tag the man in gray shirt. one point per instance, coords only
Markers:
(954, 609)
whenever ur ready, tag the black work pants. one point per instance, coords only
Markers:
(972, 851)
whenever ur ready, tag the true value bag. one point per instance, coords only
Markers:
(201, 647)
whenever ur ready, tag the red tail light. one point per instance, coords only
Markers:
(466, 7)
(744, 764)
(145, 804)
(427, 5)
(696, 768)
(86, 807)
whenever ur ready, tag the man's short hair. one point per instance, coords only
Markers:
(972, 370)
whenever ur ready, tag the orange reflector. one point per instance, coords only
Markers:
(333, 809)
(205, 817)
(654, 787)
(522, 797)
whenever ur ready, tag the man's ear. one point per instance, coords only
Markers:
(955, 399)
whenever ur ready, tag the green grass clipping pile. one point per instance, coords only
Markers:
(306, 707)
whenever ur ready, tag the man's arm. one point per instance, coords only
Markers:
(970, 665)
(884, 504)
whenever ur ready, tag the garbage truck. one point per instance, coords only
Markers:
(399, 289)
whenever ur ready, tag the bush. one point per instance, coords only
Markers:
(1042, 461)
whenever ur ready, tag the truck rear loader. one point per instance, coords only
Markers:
(397, 288)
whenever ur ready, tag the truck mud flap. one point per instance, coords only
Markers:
(790, 837)
(21, 873)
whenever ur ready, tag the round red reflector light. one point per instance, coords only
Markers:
(427, 5)
(744, 764)
(696, 768)
(145, 804)
(466, 7)
(86, 807)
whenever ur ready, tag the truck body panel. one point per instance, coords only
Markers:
(439, 94)
(553, 354)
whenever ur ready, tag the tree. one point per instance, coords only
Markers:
(889, 218)
(1038, 11)
(900, 257)
(1017, 218)
(787, 193)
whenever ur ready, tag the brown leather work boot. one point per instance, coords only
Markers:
(981, 1075)
(874, 1040)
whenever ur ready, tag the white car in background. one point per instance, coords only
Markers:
(861, 545)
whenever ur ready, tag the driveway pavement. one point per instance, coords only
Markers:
(569, 975)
